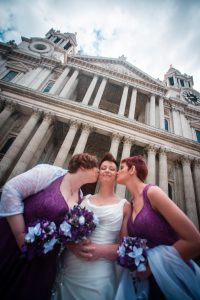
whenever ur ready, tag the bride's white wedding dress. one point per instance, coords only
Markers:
(78, 279)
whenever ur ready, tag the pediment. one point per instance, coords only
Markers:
(17, 66)
(120, 65)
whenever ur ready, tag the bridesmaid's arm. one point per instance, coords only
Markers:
(188, 245)
(17, 226)
(126, 213)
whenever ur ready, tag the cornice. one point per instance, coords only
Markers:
(81, 64)
(97, 114)
(122, 61)
(29, 58)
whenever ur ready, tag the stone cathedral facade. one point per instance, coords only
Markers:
(55, 102)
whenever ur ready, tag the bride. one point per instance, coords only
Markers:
(87, 270)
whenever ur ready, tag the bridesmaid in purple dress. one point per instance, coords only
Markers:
(156, 218)
(48, 192)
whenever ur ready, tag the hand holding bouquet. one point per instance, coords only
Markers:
(40, 238)
(77, 226)
(132, 253)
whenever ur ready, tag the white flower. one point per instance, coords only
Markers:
(81, 220)
(141, 267)
(48, 246)
(32, 232)
(137, 255)
(66, 228)
(52, 226)
(121, 251)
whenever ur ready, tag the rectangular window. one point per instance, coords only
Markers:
(166, 125)
(9, 76)
(48, 87)
(171, 80)
(198, 136)
(67, 46)
(182, 82)
(57, 40)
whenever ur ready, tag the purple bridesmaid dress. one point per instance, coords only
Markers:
(150, 225)
(31, 279)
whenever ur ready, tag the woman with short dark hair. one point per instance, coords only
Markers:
(172, 238)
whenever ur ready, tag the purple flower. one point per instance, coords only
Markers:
(132, 253)
(78, 225)
(40, 238)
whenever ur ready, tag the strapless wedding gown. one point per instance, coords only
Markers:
(97, 280)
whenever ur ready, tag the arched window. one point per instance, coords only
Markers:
(48, 87)
(166, 125)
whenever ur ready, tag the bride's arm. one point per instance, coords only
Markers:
(91, 251)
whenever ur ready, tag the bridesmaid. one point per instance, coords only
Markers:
(172, 237)
(44, 192)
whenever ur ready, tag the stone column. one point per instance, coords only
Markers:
(186, 130)
(176, 121)
(100, 93)
(86, 129)
(11, 155)
(196, 173)
(7, 112)
(127, 143)
(147, 112)
(41, 78)
(115, 144)
(66, 90)
(191, 208)
(30, 76)
(59, 82)
(30, 150)
(90, 90)
(151, 162)
(152, 121)
(161, 114)
(163, 172)
(66, 145)
(131, 114)
(179, 193)
(123, 101)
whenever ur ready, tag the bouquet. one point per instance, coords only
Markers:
(40, 238)
(132, 253)
(78, 225)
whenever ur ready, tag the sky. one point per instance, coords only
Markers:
(151, 34)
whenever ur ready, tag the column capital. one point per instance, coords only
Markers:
(74, 124)
(116, 136)
(175, 108)
(87, 127)
(163, 151)
(197, 161)
(36, 112)
(152, 148)
(186, 160)
(49, 116)
(128, 140)
(10, 105)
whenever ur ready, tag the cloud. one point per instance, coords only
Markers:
(151, 34)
